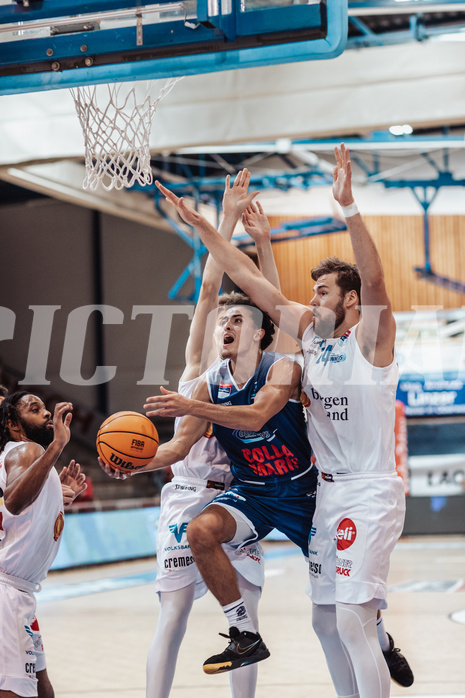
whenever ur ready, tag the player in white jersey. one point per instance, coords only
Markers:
(199, 478)
(32, 498)
(350, 381)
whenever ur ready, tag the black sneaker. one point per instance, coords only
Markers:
(398, 666)
(244, 648)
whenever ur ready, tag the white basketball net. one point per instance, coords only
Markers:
(116, 130)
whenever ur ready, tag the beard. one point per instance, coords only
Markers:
(327, 326)
(40, 435)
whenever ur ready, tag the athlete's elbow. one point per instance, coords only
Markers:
(374, 279)
(14, 505)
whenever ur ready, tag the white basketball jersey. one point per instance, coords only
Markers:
(350, 405)
(206, 459)
(29, 541)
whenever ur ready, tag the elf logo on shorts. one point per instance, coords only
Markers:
(346, 534)
(178, 531)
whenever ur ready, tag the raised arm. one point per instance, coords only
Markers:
(283, 383)
(377, 328)
(235, 201)
(292, 318)
(257, 225)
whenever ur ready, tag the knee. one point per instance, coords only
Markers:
(324, 621)
(199, 535)
(348, 626)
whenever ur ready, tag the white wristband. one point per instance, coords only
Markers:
(349, 211)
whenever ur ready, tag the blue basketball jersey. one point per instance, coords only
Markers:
(278, 452)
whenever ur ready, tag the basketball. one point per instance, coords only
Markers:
(127, 441)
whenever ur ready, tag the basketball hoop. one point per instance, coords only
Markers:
(116, 120)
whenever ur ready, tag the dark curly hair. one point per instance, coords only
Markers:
(348, 276)
(234, 298)
(9, 412)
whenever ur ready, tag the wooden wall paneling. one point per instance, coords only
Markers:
(399, 240)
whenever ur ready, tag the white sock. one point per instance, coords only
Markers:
(382, 635)
(237, 616)
(243, 681)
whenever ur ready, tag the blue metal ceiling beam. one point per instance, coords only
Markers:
(421, 5)
(438, 280)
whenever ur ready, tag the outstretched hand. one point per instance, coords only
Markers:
(73, 482)
(342, 177)
(235, 198)
(188, 214)
(169, 404)
(256, 223)
(62, 417)
(112, 472)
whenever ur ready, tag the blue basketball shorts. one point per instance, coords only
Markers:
(287, 506)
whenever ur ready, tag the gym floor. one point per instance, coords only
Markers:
(97, 624)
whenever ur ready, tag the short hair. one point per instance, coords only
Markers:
(3, 391)
(234, 298)
(9, 412)
(348, 276)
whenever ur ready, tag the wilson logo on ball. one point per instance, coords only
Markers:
(346, 534)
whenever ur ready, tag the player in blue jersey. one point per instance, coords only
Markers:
(253, 400)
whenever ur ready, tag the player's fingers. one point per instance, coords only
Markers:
(171, 196)
(252, 196)
(156, 413)
(259, 206)
(156, 401)
(72, 470)
(62, 407)
(237, 179)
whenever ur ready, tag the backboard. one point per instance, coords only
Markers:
(49, 44)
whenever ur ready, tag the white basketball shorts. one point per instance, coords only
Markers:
(181, 500)
(358, 520)
(17, 653)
